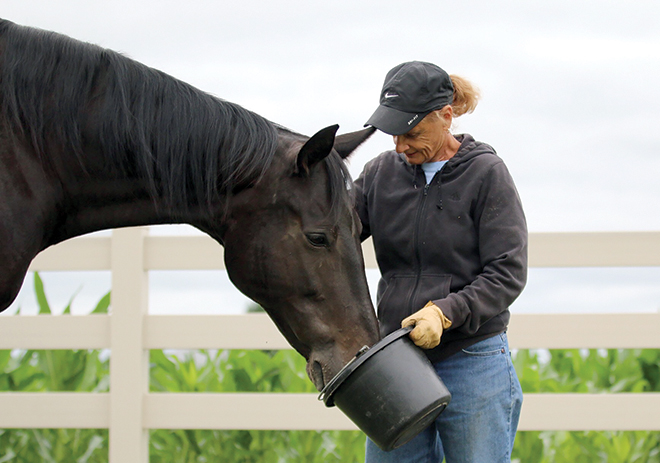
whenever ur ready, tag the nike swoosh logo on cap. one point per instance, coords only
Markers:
(390, 95)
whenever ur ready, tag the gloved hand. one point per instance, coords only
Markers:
(429, 324)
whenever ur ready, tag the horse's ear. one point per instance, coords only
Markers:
(346, 143)
(316, 149)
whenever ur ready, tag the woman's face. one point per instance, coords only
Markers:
(425, 142)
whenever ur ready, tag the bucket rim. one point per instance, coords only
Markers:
(361, 357)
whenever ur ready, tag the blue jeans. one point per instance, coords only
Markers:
(479, 424)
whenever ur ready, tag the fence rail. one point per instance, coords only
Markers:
(526, 331)
(200, 252)
(129, 410)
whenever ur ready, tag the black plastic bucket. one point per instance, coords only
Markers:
(390, 391)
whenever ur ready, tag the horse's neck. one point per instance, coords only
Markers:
(114, 203)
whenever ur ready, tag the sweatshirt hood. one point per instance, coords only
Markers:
(469, 149)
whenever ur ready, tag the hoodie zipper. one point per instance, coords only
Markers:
(418, 222)
(418, 253)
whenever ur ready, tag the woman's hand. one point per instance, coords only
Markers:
(429, 323)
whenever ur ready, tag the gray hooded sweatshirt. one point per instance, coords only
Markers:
(459, 241)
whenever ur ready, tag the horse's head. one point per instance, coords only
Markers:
(292, 244)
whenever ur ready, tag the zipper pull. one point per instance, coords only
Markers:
(426, 188)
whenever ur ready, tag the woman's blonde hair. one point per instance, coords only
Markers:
(466, 96)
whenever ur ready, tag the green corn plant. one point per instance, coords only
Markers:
(242, 371)
(593, 370)
(570, 370)
(51, 371)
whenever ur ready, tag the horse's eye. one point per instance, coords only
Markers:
(318, 239)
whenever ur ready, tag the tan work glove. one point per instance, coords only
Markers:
(429, 324)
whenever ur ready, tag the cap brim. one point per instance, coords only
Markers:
(393, 121)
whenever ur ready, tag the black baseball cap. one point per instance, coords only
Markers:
(411, 90)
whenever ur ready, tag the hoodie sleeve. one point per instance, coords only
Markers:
(361, 187)
(502, 232)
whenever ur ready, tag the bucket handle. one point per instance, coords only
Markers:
(362, 350)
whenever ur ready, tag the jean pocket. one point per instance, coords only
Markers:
(486, 348)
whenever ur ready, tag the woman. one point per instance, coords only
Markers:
(451, 244)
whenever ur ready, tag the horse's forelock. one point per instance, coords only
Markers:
(341, 191)
(339, 178)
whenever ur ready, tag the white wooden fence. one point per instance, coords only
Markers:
(129, 410)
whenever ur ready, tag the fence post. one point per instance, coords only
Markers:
(129, 362)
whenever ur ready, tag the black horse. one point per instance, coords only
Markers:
(92, 140)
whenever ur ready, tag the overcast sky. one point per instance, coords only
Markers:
(571, 94)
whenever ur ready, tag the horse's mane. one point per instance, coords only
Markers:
(190, 146)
